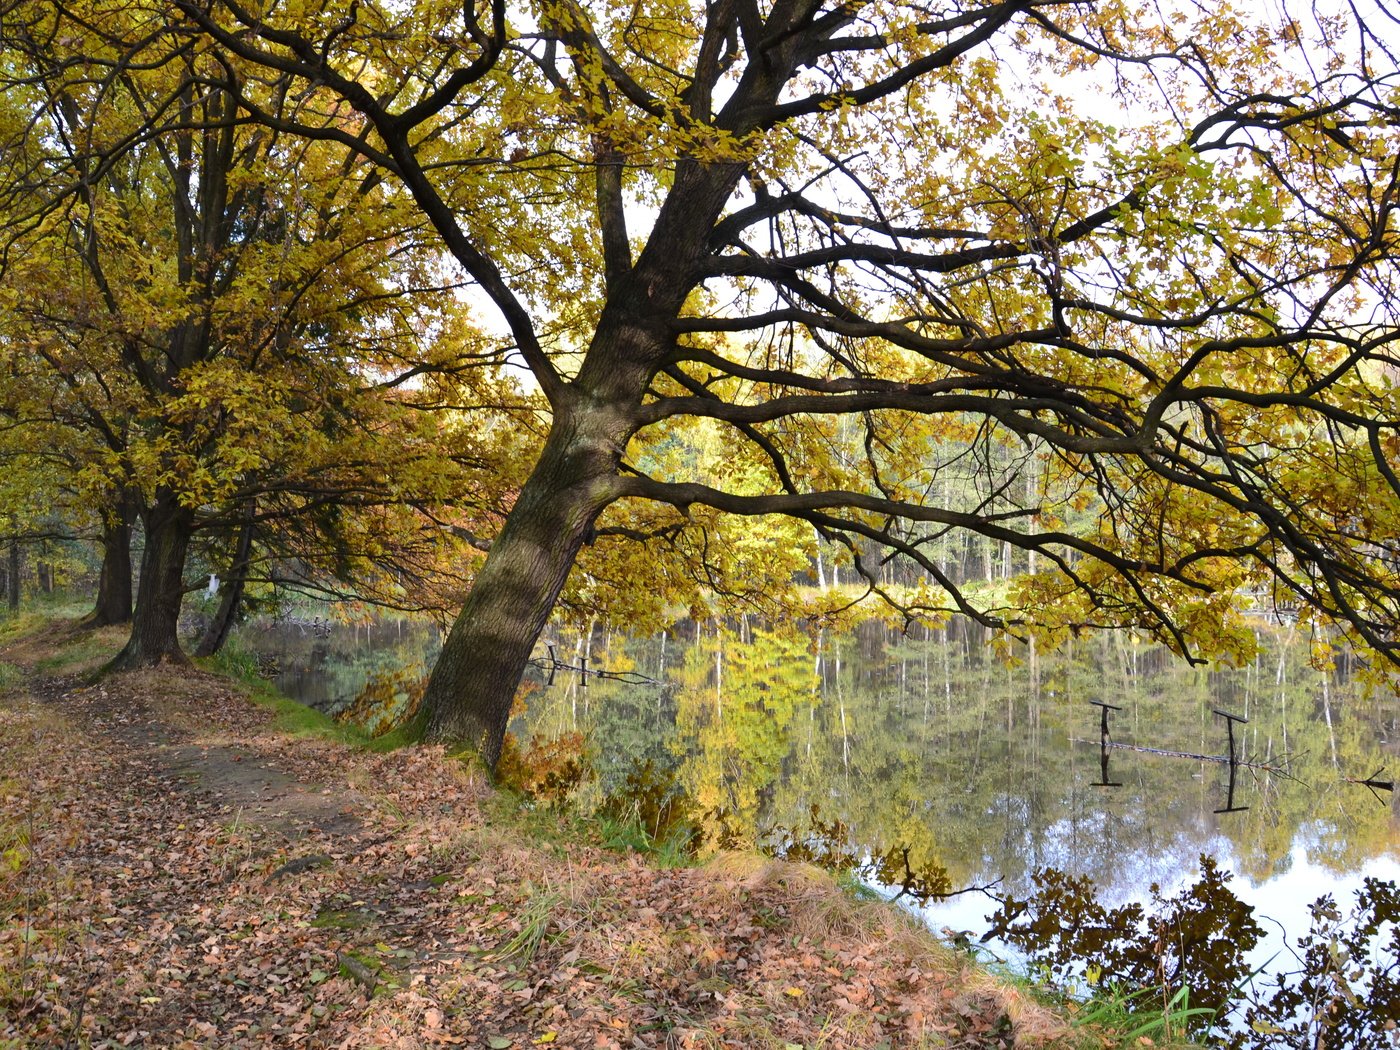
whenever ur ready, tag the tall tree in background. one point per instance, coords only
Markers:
(44, 461)
(207, 300)
(1157, 255)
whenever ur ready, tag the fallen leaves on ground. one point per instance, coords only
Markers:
(180, 876)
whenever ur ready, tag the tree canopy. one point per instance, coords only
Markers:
(215, 319)
(1126, 276)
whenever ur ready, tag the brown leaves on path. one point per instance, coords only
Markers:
(174, 874)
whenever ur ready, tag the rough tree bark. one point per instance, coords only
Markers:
(473, 683)
(155, 623)
(113, 605)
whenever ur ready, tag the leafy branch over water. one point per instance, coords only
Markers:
(1345, 990)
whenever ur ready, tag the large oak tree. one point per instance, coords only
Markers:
(1155, 253)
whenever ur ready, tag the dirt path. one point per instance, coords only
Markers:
(172, 744)
(176, 875)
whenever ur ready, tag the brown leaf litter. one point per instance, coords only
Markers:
(175, 874)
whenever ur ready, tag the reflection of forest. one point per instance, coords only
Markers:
(933, 741)
(334, 670)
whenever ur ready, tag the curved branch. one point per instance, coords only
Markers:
(306, 61)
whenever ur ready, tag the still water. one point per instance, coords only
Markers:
(933, 741)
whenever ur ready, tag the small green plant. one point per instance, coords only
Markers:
(14, 849)
(1135, 1014)
(534, 924)
(18, 979)
(653, 802)
(236, 662)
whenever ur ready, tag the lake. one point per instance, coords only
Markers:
(933, 741)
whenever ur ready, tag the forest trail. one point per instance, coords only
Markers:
(175, 873)
(162, 743)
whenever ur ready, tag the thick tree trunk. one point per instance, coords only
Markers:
(473, 684)
(231, 598)
(114, 584)
(155, 623)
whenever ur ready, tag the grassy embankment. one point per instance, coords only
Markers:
(190, 861)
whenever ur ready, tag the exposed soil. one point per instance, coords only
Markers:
(175, 874)
(161, 723)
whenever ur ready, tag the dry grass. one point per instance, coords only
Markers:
(821, 912)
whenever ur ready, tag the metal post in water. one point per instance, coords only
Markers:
(1104, 709)
(1230, 721)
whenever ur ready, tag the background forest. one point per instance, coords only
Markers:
(929, 368)
(1062, 319)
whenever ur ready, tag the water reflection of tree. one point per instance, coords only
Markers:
(737, 703)
(330, 671)
(930, 739)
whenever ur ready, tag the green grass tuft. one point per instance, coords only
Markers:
(627, 835)
(1137, 1016)
(1108, 1017)
(853, 887)
(289, 716)
(406, 735)
(534, 924)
